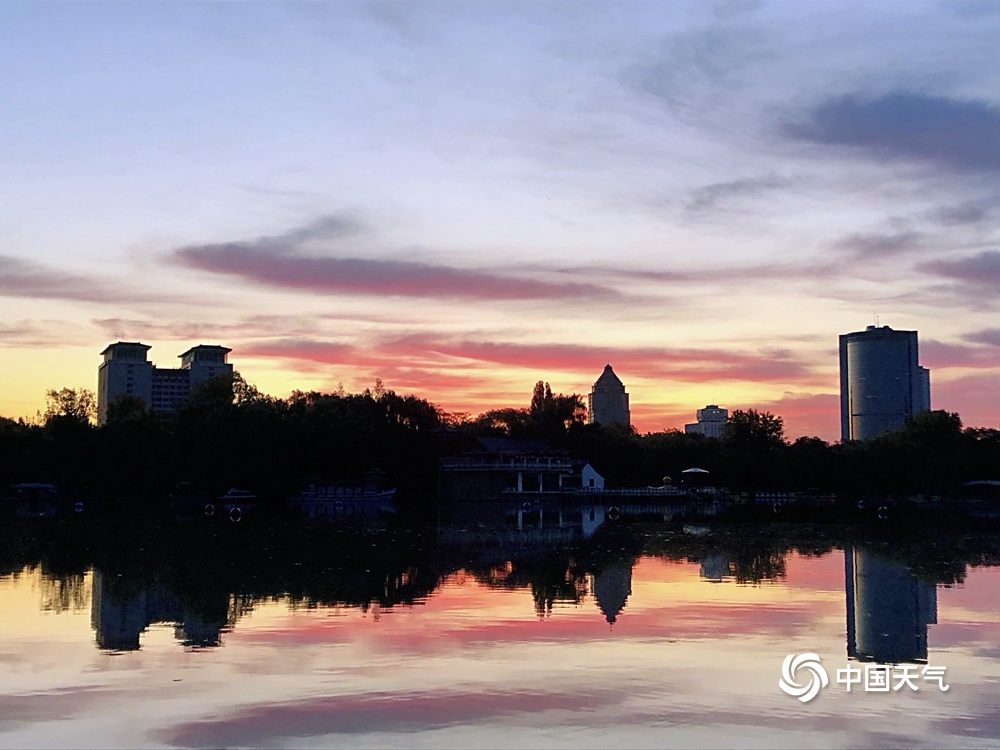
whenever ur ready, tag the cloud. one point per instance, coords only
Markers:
(322, 352)
(715, 196)
(426, 350)
(974, 397)
(717, 275)
(804, 413)
(970, 212)
(990, 336)
(939, 354)
(953, 133)
(253, 326)
(354, 714)
(697, 69)
(278, 261)
(981, 270)
(880, 245)
(21, 278)
(39, 333)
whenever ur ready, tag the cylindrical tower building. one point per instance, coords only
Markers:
(881, 382)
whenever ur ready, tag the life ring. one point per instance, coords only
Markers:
(235, 514)
(209, 510)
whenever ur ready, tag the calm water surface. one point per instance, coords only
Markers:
(464, 636)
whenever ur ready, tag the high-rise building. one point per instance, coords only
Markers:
(125, 369)
(710, 422)
(881, 382)
(608, 401)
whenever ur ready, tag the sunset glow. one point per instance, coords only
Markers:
(465, 198)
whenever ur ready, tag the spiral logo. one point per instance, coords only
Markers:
(817, 678)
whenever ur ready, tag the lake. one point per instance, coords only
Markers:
(477, 632)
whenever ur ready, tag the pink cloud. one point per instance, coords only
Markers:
(940, 354)
(812, 414)
(974, 398)
(272, 267)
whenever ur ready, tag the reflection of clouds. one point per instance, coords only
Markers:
(691, 665)
(391, 712)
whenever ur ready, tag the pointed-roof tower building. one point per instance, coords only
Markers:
(608, 401)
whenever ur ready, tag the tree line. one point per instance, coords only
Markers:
(230, 434)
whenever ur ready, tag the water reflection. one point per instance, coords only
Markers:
(122, 610)
(888, 610)
(204, 577)
(612, 587)
(517, 625)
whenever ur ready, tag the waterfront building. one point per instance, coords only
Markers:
(710, 422)
(504, 467)
(881, 381)
(608, 401)
(126, 369)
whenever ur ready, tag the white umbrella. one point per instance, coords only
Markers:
(695, 470)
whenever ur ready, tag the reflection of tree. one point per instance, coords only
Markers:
(204, 575)
(756, 565)
(69, 593)
(552, 579)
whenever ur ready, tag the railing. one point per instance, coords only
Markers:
(507, 464)
(633, 491)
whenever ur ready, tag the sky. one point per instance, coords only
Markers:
(464, 198)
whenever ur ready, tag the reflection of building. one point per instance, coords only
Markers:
(121, 611)
(125, 369)
(881, 383)
(888, 610)
(612, 587)
(608, 401)
(502, 466)
(715, 568)
(710, 421)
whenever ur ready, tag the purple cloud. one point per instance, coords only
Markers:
(955, 133)
(989, 336)
(279, 261)
(978, 270)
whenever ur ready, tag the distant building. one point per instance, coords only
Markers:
(125, 369)
(881, 382)
(711, 419)
(608, 401)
